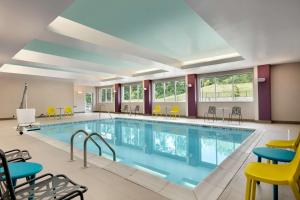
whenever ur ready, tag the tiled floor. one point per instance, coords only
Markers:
(104, 184)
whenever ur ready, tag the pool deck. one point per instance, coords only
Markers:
(108, 180)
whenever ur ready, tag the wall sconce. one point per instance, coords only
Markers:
(79, 92)
(145, 89)
(261, 80)
(190, 85)
(115, 91)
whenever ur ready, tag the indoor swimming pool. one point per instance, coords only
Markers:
(183, 154)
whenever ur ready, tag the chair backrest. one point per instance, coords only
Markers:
(126, 108)
(212, 110)
(297, 140)
(157, 108)
(51, 111)
(236, 110)
(68, 109)
(175, 108)
(137, 108)
(6, 185)
(295, 166)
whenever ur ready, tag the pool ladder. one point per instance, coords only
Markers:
(89, 137)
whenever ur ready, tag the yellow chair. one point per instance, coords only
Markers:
(156, 110)
(174, 111)
(51, 112)
(285, 144)
(68, 111)
(283, 174)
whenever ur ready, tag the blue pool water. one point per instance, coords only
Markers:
(181, 153)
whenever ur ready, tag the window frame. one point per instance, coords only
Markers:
(139, 86)
(105, 93)
(200, 79)
(164, 89)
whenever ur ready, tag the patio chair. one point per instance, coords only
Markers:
(136, 109)
(47, 186)
(212, 110)
(126, 109)
(281, 174)
(236, 111)
(174, 111)
(16, 155)
(156, 110)
(68, 111)
(51, 112)
(285, 144)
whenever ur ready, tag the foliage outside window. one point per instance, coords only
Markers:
(237, 87)
(106, 95)
(170, 91)
(133, 93)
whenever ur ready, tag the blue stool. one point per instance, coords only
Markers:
(20, 170)
(276, 155)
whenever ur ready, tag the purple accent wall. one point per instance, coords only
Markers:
(192, 95)
(264, 92)
(147, 97)
(118, 97)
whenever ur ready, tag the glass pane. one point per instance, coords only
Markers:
(243, 87)
(103, 95)
(108, 94)
(207, 89)
(126, 93)
(140, 92)
(134, 92)
(170, 91)
(224, 88)
(159, 91)
(180, 90)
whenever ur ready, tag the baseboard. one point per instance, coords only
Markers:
(285, 122)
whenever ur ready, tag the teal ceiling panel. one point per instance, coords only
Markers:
(169, 27)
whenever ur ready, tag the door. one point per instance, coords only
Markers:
(88, 102)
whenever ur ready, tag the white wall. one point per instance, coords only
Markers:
(285, 92)
(42, 92)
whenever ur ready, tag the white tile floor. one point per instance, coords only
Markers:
(104, 180)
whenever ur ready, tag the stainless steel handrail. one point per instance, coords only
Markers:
(87, 134)
(85, 147)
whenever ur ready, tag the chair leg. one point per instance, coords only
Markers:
(295, 190)
(248, 189)
(253, 190)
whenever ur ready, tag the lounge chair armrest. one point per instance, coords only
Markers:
(71, 195)
(35, 179)
(12, 151)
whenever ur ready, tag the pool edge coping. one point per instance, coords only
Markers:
(209, 184)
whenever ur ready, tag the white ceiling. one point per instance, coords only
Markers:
(260, 32)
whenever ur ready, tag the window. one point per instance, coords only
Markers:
(105, 95)
(170, 91)
(237, 87)
(132, 93)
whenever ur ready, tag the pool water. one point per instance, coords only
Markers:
(183, 154)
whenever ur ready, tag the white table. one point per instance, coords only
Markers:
(223, 111)
(60, 109)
